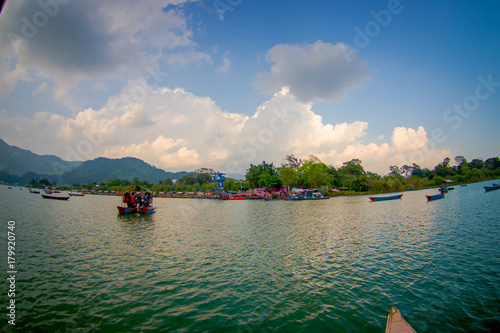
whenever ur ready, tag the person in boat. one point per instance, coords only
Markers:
(133, 201)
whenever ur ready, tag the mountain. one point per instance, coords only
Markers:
(19, 166)
(17, 161)
(101, 168)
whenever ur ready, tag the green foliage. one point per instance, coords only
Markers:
(289, 175)
(255, 173)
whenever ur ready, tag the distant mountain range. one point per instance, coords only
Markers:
(20, 166)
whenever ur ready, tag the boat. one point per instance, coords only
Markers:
(33, 191)
(136, 199)
(237, 196)
(55, 197)
(72, 194)
(435, 197)
(396, 323)
(392, 197)
(492, 188)
(314, 194)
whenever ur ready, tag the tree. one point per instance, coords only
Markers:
(352, 167)
(395, 170)
(476, 164)
(461, 162)
(255, 171)
(314, 174)
(292, 162)
(289, 176)
(406, 170)
(492, 163)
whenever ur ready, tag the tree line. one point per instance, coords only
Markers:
(352, 177)
(311, 172)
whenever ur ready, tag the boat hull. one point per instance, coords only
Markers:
(76, 194)
(53, 197)
(126, 210)
(435, 197)
(492, 188)
(146, 210)
(396, 323)
(392, 197)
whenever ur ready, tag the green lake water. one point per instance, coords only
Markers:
(333, 265)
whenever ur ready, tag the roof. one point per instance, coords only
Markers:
(135, 188)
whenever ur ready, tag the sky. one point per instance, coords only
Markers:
(222, 84)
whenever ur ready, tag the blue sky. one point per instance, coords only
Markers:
(222, 84)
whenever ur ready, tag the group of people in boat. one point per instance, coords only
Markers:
(135, 200)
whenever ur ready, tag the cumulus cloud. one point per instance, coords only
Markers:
(319, 71)
(177, 130)
(407, 146)
(91, 39)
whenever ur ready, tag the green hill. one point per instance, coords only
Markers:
(102, 168)
(17, 161)
(19, 166)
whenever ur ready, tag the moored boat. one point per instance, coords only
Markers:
(492, 188)
(54, 197)
(235, 197)
(34, 191)
(392, 197)
(435, 197)
(396, 323)
(72, 194)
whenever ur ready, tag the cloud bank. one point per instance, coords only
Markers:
(177, 130)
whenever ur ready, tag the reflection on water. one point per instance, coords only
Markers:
(206, 265)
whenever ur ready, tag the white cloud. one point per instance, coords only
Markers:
(319, 71)
(176, 130)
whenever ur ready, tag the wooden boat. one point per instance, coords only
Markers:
(136, 199)
(76, 194)
(33, 191)
(435, 197)
(392, 197)
(54, 197)
(396, 323)
(492, 188)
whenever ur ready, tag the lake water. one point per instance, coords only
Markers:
(253, 266)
